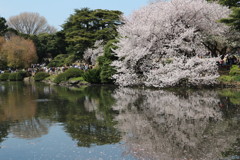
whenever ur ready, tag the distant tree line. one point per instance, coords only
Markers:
(79, 33)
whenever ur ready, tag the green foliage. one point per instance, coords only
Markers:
(62, 60)
(17, 76)
(236, 78)
(233, 95)
(51, 77)
(225, 78)
(86, 26)
(3, 26)
(229, 3)
(3, 64)
(235, 70)
(60, 78)
(49, 45)
(70, 73)
(234, 75)
(92, 76)
(107, 71)
(41, 76)
(77, 79)
(58, 61)
(80, 79)
(70, 59)
(108, 53)
(233, 19)
(4, 76)
(74, 72)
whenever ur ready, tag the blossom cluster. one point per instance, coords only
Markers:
(161, 45)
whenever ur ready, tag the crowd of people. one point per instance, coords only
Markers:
(228, 60)
(51, 70)
(56, 70)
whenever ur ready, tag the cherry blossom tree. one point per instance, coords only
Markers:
(162, 44)
(91, 54)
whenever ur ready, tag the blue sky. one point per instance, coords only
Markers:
(57, 11)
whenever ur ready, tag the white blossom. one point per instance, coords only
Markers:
(91, 54)
(162, 44)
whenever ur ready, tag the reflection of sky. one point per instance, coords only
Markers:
(57, 145)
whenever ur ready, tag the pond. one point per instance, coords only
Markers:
(43, 122)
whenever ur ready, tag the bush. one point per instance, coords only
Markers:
(235, 70)
(60, 78)
(225, 78)
(61, 60)
(92, 76)
(107, 71)
(70, 73)
(4, 76)
(41, 76)
(74, 72)
(12, 76)
(236, 78)
(18, 76)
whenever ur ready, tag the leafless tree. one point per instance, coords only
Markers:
(30, 23)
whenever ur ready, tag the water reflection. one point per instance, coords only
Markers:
(152, 124)
(16, 102)
(171, 125)
(85, 113)
(31, 128)
(18, 110)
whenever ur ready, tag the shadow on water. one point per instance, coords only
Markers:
(151, 124)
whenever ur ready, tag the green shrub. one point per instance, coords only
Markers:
(108, 49)
(107, 71)
(58, 61)
(60, 78)
(236, 78)
(74, 72)
(41, 76)
(17, 76)
(77, 79)
(70, 59)
(235, 70)
(225, 78)
(92, 76)
(12, 76)
(70, 73)
(62, 59)
(4, 76)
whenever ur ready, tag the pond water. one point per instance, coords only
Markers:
(42, 122)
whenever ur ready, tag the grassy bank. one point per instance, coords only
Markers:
(230, 78)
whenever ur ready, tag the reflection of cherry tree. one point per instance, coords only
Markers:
(31, 128)
(165, 125)
(91, 105)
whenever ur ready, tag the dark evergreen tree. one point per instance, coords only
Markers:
(86, 26)
(3, 26)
